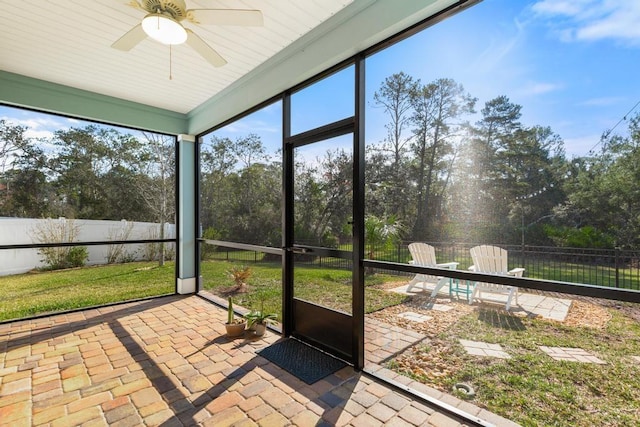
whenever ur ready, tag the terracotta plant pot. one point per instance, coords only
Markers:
(235, 329)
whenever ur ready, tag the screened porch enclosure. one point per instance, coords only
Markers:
(299, 179)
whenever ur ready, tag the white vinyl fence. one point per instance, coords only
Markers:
(15, 231)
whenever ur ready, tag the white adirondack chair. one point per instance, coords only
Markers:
(425, 255)
(493, 260)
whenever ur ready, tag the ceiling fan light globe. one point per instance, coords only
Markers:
(164, 29)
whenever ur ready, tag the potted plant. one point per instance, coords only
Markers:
(235, 327)
(258, 320)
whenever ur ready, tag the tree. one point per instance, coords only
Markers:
(534, 181)
(77, 164)
(91, 173)
(603, 193)
(157, 184)
(237, 191)
(509, 177)
(19, 187)
(255, 208)
(324, 194)
(480, 192)
(27, 190)
(12, 141)
(394, 96)
(217, 162)
(437, 110)
(81, 165)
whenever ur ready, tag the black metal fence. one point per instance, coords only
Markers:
(604, 267)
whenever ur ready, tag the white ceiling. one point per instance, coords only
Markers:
(56, 56)
(68, 42)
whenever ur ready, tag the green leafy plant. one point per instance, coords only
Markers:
(235, 327)
(260, 317)
(77, 256)
(381, 233)
(583, 237)
(206, 250)
(230, 311)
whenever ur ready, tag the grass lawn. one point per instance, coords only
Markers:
(42, 292)
(327, 287)
(531, 388)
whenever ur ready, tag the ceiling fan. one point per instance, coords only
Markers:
(163, 24)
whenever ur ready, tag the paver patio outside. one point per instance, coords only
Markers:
(167, 362)
(548, 307)
(479, 348)
(571, 355)
(414, 317)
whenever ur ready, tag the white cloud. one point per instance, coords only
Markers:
(37, 127)
(601, 102)
(557, 7)
(37, 134)
(580, 145)
(538, 88)
(592, 20)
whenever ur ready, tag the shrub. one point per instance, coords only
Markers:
(77, 256)
(206, 250)
(583, 237)
(59, 231)
(240, 275)
(118, 253)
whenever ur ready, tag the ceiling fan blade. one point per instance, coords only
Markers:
(136, 5)
(206, 51)
(130, 39)
(243, 17)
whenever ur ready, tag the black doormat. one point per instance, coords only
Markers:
(301, 360)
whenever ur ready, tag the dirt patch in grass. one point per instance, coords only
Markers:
(587, 314)
(388, 285)
(438, 358)
(430, 363)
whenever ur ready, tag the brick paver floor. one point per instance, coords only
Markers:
(384, 341)
(167, 362)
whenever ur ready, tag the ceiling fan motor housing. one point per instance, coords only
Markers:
(176, 8)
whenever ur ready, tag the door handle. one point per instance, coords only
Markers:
(297, 250)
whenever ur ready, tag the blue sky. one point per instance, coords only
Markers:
(572, 65)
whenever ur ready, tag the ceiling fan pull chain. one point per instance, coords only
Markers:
(170, 72)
